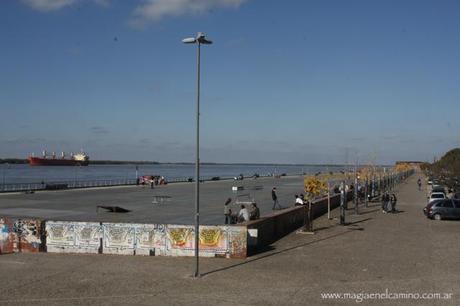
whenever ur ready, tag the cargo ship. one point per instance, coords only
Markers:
(79, 159)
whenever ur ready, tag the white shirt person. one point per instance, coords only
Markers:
(243, 215)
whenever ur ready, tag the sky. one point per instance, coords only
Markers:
(314, 81)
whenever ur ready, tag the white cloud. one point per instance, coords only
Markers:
(48, 5)
(154, 10)
(54, 5)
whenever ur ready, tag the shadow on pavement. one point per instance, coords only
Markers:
(356, 222)
(322, 228)
(397, 212)
(279, 252)
(369, 212)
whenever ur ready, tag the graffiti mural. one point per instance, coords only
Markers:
(7, 238)
(213, 239)
(20, 235)
(180, 240)
(73, 237)
(150, 239)
(119, 238)
(27, 235)
(237, 237)
(180, 236)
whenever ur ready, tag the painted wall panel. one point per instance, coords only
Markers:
(119, 238)
(28, 235)
(20, 235)
(237, 241)
(73, 237)
(7, 238)
(150, 239)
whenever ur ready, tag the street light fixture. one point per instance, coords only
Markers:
(198, 40)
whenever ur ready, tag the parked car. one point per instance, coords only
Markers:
(436, 196)
(439, 188)
(445, 209)
(429, 205)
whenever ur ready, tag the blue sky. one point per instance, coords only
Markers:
(284, 81)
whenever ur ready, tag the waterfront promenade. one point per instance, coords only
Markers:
(175, 202)
(401, 253)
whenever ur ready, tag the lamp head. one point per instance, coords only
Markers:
(189, 40)
(200, 38)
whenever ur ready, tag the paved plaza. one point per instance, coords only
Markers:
(374, 253)
(168, 204)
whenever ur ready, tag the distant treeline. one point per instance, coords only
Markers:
(448, 165)
(93, 162)
(13, 161)
(122, 162)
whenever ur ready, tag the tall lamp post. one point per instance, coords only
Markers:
(198, 40)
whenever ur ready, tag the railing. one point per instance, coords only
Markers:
(76, 184)
(55, 185)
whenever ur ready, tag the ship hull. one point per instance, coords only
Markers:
(37, 161)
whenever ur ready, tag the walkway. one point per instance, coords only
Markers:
(401, 253)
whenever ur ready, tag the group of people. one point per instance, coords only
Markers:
(243, 215)
(152, 180)
(300, 200)
(389, 203)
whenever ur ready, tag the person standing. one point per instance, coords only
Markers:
(298, 200)
(243, 215)
(255, 212)
(419, 183)
(393, 201)
(385, 200)
(228, 211)
(275, 199)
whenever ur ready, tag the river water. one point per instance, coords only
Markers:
(11, 174)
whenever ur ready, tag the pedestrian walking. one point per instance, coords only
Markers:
(275, 199)
(419, 183)
(228, 211)
(393, 201)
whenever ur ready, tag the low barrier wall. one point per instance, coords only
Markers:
(268, 229)
(233, 241)
(145, 239)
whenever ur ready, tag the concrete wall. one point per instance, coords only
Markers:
(145, 239)
(234, 241)
(268, 229)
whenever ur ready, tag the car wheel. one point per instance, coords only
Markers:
(437, 217)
